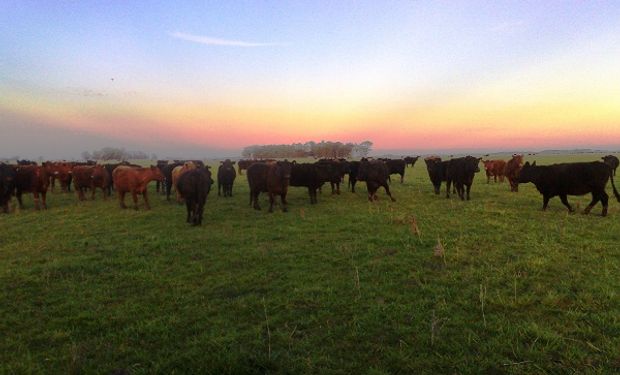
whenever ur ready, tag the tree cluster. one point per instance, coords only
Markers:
(323, 149)
(113, 153)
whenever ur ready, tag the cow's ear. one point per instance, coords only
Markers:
(479, 159)
(534, 163)
(221, 162)
(527, 164)
(294, 162)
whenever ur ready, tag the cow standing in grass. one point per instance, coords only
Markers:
(195, 186)
(353, 170)
(375, 173)
(32, 179)
(272, 178)
(461, 172)
(612, 161)
(308, 175)
(495, 169)
(135, 181)
(513, 167)
(396, 166)
(7, 185)
(226, 177)
(571, 179)
(410, 160)
(437, 172)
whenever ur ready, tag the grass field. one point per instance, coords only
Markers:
(342, 287)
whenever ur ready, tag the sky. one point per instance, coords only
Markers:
(206, 78)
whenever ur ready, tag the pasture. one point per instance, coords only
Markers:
(342, 287)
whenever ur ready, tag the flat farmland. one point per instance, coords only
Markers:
(421, 285)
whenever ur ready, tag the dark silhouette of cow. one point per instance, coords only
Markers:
(31, 178)
(195, 185)
(167, 182)
(437, 172)
(395, 166)
(272, 178)
(461, 172)
(226, 177)
(353, 169)
(309, 175)
(571, 179)
(375, 173)
(410, 160)
(7, 185)
(612, 161)
(335, 170)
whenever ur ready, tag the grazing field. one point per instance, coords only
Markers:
(341, 287)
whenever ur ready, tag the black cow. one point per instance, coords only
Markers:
(226, 177)
(410, 160)
(161, 164)
(612, 161)
(461, 172)
(7, 185)
(167, 172)
(437, 172)
(396, 166)
(375, 173)
(312, 176)
(272, 178)
(571, 179)
(194, 185)
(335, 170)
(353, 169)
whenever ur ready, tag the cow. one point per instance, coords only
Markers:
(7, 185)
(309, 175)
(99, 178)
(161, 164)
(167, 172)
(244, 164)
(353, 169)
(272, 178)
(612, 161)
(511, 171)
(410, 160)
(461, 172)
(82, 179)
(571, 179)
(110, 167)
(32, 179)
(226, 177)
(375, 173)
(437, 172)
(177, 172)
(194, 185)
(495, 169)
(60, 171)
(335, 170)
(135, 181)
(396, 166)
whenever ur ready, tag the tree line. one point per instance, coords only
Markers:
(323, 149)
(113, 153)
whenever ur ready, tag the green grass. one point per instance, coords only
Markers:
(341, 287)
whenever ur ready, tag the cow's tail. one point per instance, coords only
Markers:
(613, 186)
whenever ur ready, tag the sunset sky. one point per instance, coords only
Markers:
(202, 78)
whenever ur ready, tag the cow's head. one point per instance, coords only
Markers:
(283, 170)
(156, 173)
(528, 173)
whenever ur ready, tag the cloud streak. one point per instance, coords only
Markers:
(211, 41)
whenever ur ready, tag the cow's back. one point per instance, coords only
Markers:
(257, 176)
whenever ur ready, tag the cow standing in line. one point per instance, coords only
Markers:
(226, 177)
(437, 172)
(135, 181)
(33, 179)
(353, 169)
(7, 185)
(195, 186)
(513, 167)
(461, 172)
(571, 179)
(495, 169)
(272, 178)
(375, 173)
(410, 160)
(308, 175)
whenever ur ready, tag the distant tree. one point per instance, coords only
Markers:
(86, 155)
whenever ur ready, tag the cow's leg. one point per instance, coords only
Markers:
(338, 188)
(353, 186)
(468, 189)
(271, 201)
(219, 187)
(35, 194)
(121, 198)
(605, 202)
(255, 196)
(92, 187)
(145, 195)
(448, 183)
(402, 177)
(188, 206)
(545, 202)
(595, 198)
(387, 190)
(44, 199)
(18, 195)
(284, 202)
(564, 200)
(134, 197)
(310, 195)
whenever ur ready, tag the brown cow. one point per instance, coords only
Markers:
(177, 172)
(272, 178)
(100, 179)
(60, 171)
(495, 169)
(135, 181)
(82, 179)
(31, 179)
(511, 171)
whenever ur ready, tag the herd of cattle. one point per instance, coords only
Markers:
(192, 180)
